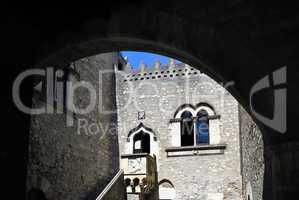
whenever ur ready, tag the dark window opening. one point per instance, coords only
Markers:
(141, 143)
(127, 182)
(187, 130)
(136, 181)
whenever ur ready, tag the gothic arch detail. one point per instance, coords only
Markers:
(140, 126)
(149, 145)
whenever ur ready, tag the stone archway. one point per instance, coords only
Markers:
(112, 44)
(193, 34)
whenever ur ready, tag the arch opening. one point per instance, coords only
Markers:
(199, 123)
(141, 143)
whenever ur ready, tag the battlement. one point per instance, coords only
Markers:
(157, 71)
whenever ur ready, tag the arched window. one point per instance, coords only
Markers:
(142, 139)
(166, 190)
(195, 125)
(202, 127)
(141, 142)
(187, 129)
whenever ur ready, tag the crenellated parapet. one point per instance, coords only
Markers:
(157, 71)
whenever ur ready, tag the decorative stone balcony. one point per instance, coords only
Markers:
(139, 172)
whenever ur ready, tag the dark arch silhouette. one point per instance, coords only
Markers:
(165, 181)
(136, 181)
(127, 182)
(183, 107)
(141, 125)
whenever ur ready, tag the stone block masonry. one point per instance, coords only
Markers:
(64, 164)
(159, 92)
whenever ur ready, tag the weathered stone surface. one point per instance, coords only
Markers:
(72, 163)
(252, 154)
(160, 92)
(283, 170)
(117, 190)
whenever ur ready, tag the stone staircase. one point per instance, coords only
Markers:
(115, 189)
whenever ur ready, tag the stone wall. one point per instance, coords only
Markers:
(252, 148)
(72, 162)
(160, 91)
(117, 190)
(282, 171)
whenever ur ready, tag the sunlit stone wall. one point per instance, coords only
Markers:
(158, 92)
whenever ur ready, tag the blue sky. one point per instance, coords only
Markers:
(135, 57)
